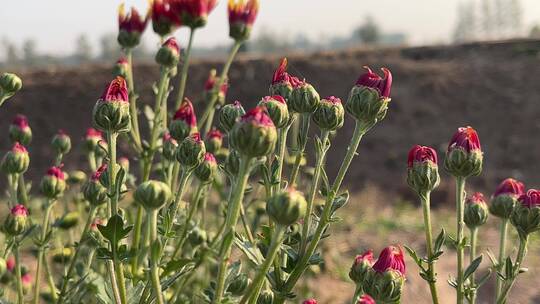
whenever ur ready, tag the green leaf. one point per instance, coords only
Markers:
(252, 252)
(509, 268)
(439, 241)
(175, 265)
(472, 267)
(484, 278)
(413, 255)
(340, 201)
(114, 231)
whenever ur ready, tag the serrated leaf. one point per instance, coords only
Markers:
(252, 252)
(114, 231)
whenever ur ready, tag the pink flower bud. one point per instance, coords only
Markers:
(169, 146)
(464, 155)
(56, 172)
(214, 140)
(53, 183)
(97, 221)
(206, 171)
(465, 138)
(111, 111)
(257, 116)
(17, 220)
(391, 258)
(184, 121)
(121, 68)
(115, 91)
(26, 279)
(366, 299)
(511, 187)
(242, 15)
(19, 130)
(164, 18)
(97, 175)
(421, 154)
(10, 264)
(194, 13)
(19, 210)
(476, 210)
(374, 81)
(530, 199)
(209, 85)
(526, 214)
(169, 53)
(366, 257)
(131, 26)
(310, 301)
(255, 134)
(16, 160)
(61, 142)
(18, 148)
(361, 266)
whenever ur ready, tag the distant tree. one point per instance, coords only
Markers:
(535, 32)
(30, 53)
(83, 49)
(465, 29)
(12, 54)
(368, 32)
(110, 51)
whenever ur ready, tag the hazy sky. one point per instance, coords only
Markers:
(55, 24)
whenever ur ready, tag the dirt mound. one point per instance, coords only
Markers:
(490, 86)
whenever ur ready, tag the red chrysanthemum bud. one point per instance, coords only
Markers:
(368, 99)
(366, 299)
(242, 15)
(10, 264)
(286, 207)
(130, 25)
(97, 175)
(361, 266)
(391, 258)
(476, 210)
(255, 134)
(282, 82)
(229, 115)
(330, 114)
(505, 197)
(214, 140)
(169, 147)
(422, 169)
(206, 171)
(169, 53)
(97, 221)
(61, 143)
(91, 139)
(16, 221)
(526, 214)
(277, 109)
(111, 111)
(26, 281)
(19, 130)
(210, 90)
(53, 183)
(184, 121)
(194, 13)
(304, 98)
(464, 154)
(164, 18)
(16, 160)
(191, 151)
(124, 163)
(121, 68)
(310, 301)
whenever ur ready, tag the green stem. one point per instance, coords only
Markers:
(472, 256)
(233, 214)
(303, 138)
(137, 239)
(523, 240)
(50, 279)
(303, 263)
(211, 106)
(192, 209)
(426, 210)
(20, 292)
(502, 255)
(22, 190)
(321, 155)
(357, 293)
(92, 161)
(42, 249)
(154, 260)
(184, 71)
(255, 288)
(281, 147)
(13, 180)
(134, 131)
(73, 261)
(460, 201)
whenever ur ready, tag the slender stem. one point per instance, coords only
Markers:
(522, 251)
(184, 71)
(22, 190)
(192, 209)
(357, 293)
(245, 224)
(281, 147)
(154, 260)
(13, 180)
(460, 195)
(304, 129)
(210, 107)
(313, 190)
(502, 255)
(255, 288)
(472, 256)
(137, 238)
(135, 133)
(73, 261)
(426, 210)
(233, 214)
(50, 279)
(114, 283)
(20, 292)
(303, 263)
(42, 249)
(92, 161)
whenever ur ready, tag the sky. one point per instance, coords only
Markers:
(55, 24)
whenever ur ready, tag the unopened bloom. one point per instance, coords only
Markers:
(213, 140)
(121, 68)
(505, 197)
(309, 301)
(169, 146)
(277, 109)
(130, 25)
(476, 210)
(53, 183)
(19, 130)
(62, 255)
(286, 207)
(239, 284)
(16, 221)
(191, 151)
(153, 194)
(266, 297)
(385, 283)
(229, 115)
(464, 155)
(184, 121)
(26, 280)
(206, 171)
(16, 160)
(210, 88)
(304, 98)
(69, 220)
(9, 84)
(196, 237)
(422, 169)
(169, 53)
(111, 111)
(366, 299)
(164, 18)
(368, 99)
(91, 139)
(61, 143)
(526, 214)
(255, 134)
(330, 114)
(361, 266)
(282, 82)
(242, 15)
(93, 191)
(194, 13)
(391, 258)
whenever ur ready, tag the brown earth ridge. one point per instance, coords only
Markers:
(493, 87)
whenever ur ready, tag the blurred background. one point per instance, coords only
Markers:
(455, 63)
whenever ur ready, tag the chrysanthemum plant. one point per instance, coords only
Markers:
(214, 211)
